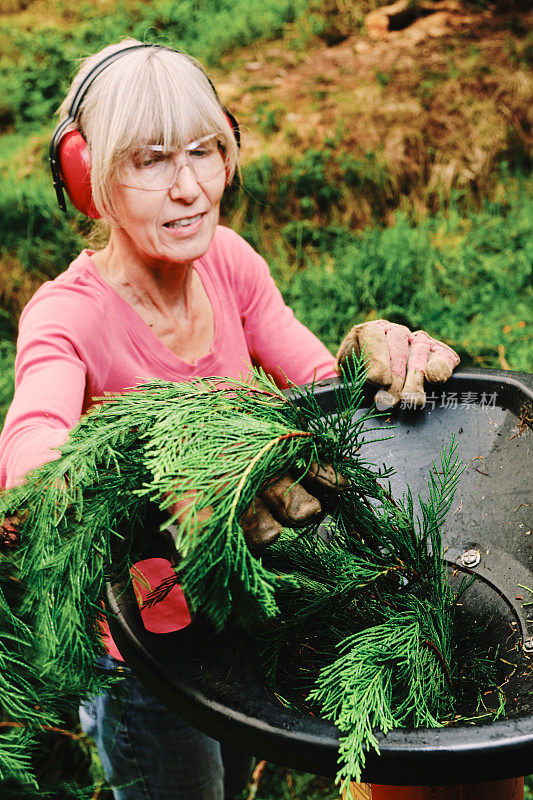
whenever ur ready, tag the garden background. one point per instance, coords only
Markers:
(386, 173)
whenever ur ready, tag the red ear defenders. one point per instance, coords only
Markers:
(70, 158)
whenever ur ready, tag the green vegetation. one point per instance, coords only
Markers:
(361, 627)
(7, 376)
(38, 60)
(388, 181)
(457, 277)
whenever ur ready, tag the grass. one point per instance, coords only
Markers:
(462, 274)
(7, 377)
(278, 783)
(465, 278)
(40, 45)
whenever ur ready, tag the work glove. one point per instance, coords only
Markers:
(284, 502)
(9, 532)
(398, 360)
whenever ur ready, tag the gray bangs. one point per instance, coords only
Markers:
(167, 106)
(149, 96)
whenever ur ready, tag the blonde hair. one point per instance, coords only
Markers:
(150, 94)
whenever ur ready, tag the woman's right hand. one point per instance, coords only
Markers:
(9, 532)
(285, 502)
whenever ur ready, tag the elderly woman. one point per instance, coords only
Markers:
(146, 145)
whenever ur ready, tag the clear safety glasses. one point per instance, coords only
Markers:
(154, 168)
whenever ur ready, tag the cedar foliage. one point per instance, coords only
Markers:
(376, 593)
(369, 631)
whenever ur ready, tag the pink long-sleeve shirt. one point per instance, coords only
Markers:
(79, 339)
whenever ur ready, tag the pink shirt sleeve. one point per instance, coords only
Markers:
(72, 345)
(50, 385)
(78, 339)
(276, 340)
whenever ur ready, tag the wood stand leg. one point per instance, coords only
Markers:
(416, 792)
(494, 790)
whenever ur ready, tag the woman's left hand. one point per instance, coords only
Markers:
(398, 360)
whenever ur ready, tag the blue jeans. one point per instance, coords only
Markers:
(148, 753)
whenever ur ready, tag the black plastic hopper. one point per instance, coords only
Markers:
(210, 681)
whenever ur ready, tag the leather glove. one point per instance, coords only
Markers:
(283, 503)
(9, 532)
(398, 360)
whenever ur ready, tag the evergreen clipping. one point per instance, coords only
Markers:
(357, 622)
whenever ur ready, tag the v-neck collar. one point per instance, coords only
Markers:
(143, 334)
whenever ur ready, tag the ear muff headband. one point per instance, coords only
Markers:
(70, 157)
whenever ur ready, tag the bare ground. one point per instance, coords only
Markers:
(443, 100)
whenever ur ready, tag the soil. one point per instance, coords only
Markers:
(448, 92)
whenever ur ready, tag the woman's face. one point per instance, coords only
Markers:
(172, 225)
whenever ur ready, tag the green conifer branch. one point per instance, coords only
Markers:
(375, 591)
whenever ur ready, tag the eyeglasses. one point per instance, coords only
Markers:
(154, 168)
